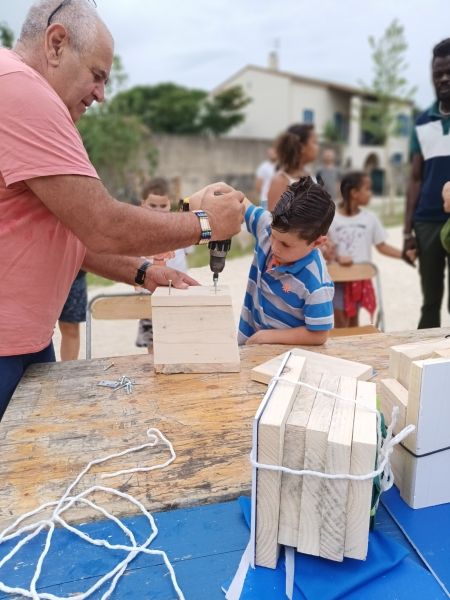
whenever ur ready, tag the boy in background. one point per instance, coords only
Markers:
(289, 298)
(155, 196)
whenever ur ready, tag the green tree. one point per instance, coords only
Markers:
(6, 35)
(174, 109)
(223, 111)
(388, 91)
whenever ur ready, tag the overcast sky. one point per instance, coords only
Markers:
(200, 43)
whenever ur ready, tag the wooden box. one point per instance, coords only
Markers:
(194, 330)
(421, 462)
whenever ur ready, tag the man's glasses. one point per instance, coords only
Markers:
(60, 6)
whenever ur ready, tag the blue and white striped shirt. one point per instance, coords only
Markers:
(294, 295)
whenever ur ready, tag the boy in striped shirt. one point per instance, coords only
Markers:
(289, 297)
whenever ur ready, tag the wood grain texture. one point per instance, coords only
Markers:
(392, 393)
(315, 459)
(191, 334)
(335, 492)
(271, 429)
(294, 457)
(316, 360)
(59, 420)
(364, 448)
(402, 356)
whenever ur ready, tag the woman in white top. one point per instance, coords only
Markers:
(295, 149)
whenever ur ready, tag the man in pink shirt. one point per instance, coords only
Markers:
(55, 214)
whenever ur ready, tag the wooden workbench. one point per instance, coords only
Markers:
(60, 419)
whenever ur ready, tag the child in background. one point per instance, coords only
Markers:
(295, 149)
(289, 297)
(352, 234)
(445, 231)
(155, 196)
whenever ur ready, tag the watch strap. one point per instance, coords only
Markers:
(140, 273)
(205, 236)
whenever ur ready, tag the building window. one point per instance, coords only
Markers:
(308, 116)
(403, 125)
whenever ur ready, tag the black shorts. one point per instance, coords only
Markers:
(74, 310)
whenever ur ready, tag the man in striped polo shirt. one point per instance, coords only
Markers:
(424, 216)
(289, 297)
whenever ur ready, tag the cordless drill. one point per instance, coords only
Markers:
(217, 255)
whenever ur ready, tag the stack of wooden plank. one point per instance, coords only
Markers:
(419, 386)
(303, 428)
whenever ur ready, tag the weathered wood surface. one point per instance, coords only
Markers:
(59, 420)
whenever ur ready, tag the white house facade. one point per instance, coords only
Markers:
(280, 99)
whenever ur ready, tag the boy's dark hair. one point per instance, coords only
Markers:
(158, 186)
(351, 181)
(288, 148)
(442, 49)
(305, 208)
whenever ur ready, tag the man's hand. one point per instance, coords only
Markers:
(409, 252)
(160, 276)
(224, 207)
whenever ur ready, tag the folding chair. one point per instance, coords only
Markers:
(359, 272)
(116, 306)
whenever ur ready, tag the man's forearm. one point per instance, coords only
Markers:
(112, 266)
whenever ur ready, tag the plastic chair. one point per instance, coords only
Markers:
(359, 272)
(116, 306)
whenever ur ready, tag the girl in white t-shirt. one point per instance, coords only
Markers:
(352, 234)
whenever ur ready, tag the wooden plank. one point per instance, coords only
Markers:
(294, 457)
(196, 295)
(197, 338)
(392, 393)
(445, 353)
(364, 449)
(271, 429)
(420, 479)
(401, 357)
(319, 362)
(126, 306)
(359, 330)
(315, 459)
(429, 406)
(335, 492)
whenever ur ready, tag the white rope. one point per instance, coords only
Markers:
(66, 502)
(385, 446)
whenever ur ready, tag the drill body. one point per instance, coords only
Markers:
(217, 254)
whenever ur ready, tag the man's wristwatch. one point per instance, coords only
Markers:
(140, 273)
(205, 236)
(408, 236)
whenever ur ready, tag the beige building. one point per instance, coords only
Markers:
(280, 99)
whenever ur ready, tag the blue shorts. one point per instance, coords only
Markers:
(74, 310)
(12, 369)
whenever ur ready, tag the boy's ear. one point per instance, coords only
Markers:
(321, 240)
